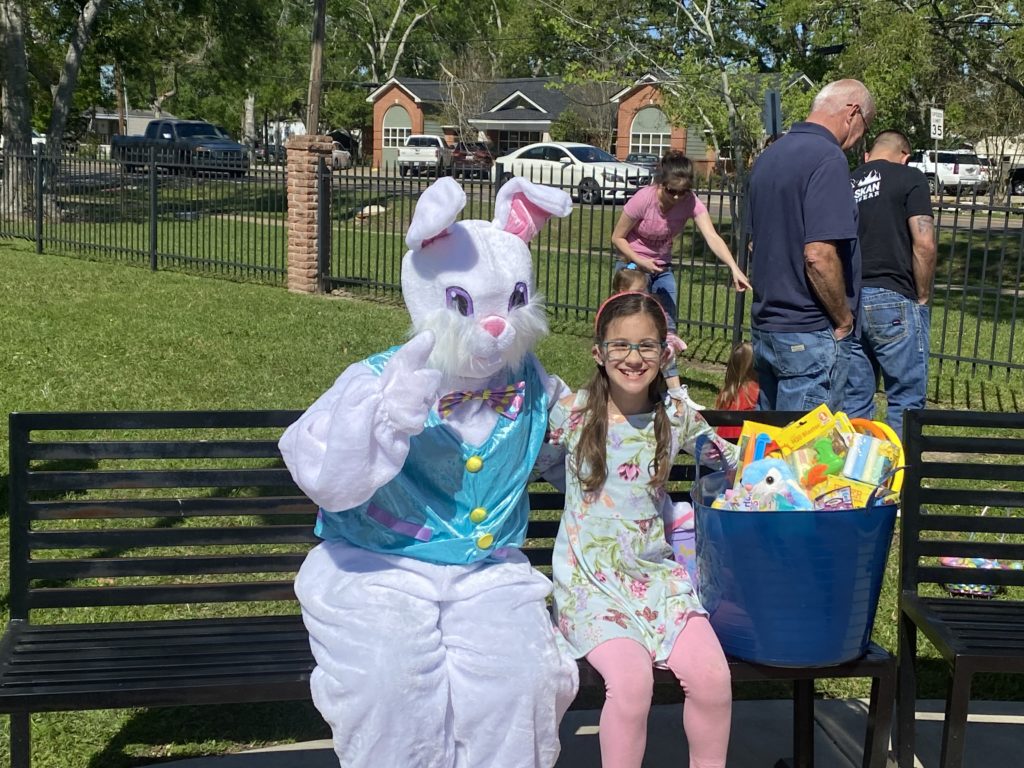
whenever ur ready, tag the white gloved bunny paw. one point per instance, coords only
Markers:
(408, 387)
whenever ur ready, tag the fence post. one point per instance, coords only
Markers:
(305, 219)
(152, 208)
(323, 227)
(39, 198)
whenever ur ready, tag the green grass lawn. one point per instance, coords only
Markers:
(84, 335)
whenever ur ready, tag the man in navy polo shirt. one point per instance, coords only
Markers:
(806, 264)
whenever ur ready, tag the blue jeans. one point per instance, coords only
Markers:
(663, 287)
(665, 290)
(893, 339)
(800, 371)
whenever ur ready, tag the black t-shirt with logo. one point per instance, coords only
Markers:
(888, 194)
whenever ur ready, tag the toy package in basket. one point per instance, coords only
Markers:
(823, 460)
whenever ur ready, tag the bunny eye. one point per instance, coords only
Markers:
(769, 480)
(520, 296)
(458, 299)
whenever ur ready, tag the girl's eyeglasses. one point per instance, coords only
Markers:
(617, 350)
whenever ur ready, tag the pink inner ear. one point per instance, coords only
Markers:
(438, 236)
(525, 218)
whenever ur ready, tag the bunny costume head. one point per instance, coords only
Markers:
(471, 282)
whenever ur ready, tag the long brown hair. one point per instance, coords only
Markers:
(738, 371)
(590, 460)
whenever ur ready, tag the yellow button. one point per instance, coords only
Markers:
(485, 541)
(478, 515)
(474, 464)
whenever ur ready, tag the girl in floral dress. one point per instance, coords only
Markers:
(620, 600)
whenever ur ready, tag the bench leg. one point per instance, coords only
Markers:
(906, 693)
(21, 740)
(803, 723)
(958, 699)
(876, 740)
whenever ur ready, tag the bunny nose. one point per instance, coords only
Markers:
(494, 325)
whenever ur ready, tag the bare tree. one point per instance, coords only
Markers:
(464, 86)
(69, 72)
(383, 30)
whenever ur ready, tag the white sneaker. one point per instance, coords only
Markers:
(682, 392)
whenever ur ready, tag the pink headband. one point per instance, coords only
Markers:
(600, 309)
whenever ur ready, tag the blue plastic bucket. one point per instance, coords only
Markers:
(791, 589)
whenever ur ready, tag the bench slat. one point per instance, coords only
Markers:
(968, 497)
(130, 538)
(965, 470)
(150, 420)
(160, 478)
(90, 509)
(80, 597)
(154, 449)
(187, 565)
(981, 445)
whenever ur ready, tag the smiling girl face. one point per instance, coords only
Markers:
(632, 353)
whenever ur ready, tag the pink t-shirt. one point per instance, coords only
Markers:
(655, 229)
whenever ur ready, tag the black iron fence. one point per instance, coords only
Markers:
(166, 215)
(178, 217)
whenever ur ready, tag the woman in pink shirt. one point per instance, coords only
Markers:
(649, 224)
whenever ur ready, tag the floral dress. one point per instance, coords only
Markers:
(613, 570)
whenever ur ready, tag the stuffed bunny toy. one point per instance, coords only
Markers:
(433, 643)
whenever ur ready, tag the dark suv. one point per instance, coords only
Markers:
(472, 159)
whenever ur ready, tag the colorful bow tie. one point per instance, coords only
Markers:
(507, 401)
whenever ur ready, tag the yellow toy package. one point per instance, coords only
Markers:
(837, 492)
(756, 441)
(816, 424)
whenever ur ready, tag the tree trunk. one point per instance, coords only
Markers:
(249, 126)
(17, 199)
(69, 74)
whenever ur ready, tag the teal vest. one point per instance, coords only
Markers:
(452, 503)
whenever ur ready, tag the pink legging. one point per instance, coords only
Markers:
(699, 664)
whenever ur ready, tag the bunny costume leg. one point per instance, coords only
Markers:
(471, 646)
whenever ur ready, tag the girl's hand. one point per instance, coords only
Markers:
(740, 281)
(648, 265)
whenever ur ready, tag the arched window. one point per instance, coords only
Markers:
(650, 132)
(396, 128)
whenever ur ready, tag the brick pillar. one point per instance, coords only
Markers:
(304, 154)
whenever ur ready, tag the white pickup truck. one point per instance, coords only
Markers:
(424, 154)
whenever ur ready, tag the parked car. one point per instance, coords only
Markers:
(1015, 181)
(182, 145)
(951, 169)
(644, 160)
(271, 153)
(38, 139)
(472, 159)
(424, 153)
(340, 158)
(589, 173)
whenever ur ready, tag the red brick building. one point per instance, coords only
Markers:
(514, 112)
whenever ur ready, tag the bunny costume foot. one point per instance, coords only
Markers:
(433, 642)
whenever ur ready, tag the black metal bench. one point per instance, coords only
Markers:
(185, 530)
(952, 476)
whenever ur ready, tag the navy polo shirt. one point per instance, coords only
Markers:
(799, 193)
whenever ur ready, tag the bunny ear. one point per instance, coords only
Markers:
(522, 207)
(437, 209)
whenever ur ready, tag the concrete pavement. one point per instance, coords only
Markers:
(761, 733)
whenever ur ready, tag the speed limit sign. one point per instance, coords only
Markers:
(937, 117)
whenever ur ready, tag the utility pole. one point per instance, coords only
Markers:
(316, 68)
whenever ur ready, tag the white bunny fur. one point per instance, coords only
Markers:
(485, 261)
(354, 440)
